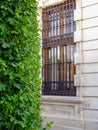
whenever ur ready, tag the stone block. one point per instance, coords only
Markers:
(65, 123)
(90, 11)
(90, 91)
(90, 34)
(90, 45)
(89, 2)
(90, 56)
(91, 115)
(90, 68)
(59, 110)
(90, 125)
(77, 36)
(77, 14)
(90, 79)
(91, 103)
(88, 23)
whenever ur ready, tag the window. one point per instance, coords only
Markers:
(58, 49)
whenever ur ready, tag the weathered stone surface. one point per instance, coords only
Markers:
(79, 113)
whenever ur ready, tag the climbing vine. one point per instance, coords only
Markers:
(19, 65)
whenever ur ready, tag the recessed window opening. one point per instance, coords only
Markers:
(58, 49)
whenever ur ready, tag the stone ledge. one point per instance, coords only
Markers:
(61, 99)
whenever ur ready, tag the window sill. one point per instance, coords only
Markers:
(61, 99)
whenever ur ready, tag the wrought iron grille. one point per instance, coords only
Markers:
(58, 49)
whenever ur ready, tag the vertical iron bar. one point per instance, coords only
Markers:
(58, 45)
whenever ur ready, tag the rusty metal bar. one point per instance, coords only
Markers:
(58, 49)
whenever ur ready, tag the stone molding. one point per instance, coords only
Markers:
(61, 99)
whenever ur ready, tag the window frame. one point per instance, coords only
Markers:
(47, 53)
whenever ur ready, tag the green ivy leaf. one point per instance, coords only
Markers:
(19, 66)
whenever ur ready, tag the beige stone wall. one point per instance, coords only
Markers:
(87, 66)
(90, 62)
(65, 112)
(80, 112)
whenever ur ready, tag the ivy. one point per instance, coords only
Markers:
(19, 65)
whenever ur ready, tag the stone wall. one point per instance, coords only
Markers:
(90, 63)
(80, 112)
(65, 112)
(86, 37)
